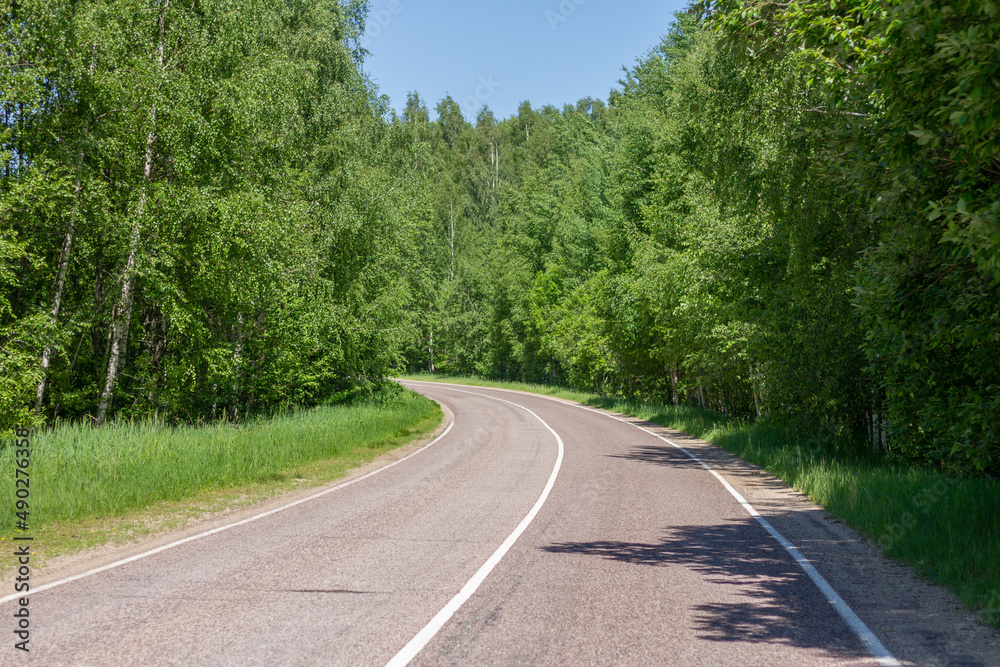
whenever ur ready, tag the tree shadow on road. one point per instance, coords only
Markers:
(659, 454)
(767, 597)
(719, 459)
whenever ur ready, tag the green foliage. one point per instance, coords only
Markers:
(221, 185)
(782, 215)
(908, 91)
(787, 213)
(932, 329)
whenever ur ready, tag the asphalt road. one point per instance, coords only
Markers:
(587, 541)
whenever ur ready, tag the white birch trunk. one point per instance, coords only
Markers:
(64, 256)
(119, 339)
(430, 351)
(451, 242)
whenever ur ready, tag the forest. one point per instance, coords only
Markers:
(785, 212)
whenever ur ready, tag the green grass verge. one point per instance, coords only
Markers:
(947, 529)
(91, 485)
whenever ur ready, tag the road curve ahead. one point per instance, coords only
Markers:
(640, 556)
(533, 532)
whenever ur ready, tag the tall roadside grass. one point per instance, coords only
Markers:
(82, 472)
(948, 529)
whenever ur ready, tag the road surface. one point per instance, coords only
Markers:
(533, 532)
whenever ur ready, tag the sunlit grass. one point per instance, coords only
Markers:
(79, 472)
(948, 529)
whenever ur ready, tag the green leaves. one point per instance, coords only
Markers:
(924, 137)
(789, 210)
(794, 218)
(267, 248)
(920, 80)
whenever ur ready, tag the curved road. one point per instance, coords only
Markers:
(578, 538)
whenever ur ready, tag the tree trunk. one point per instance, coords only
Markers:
(451, 242)
(674, 381)
(237, 368)
(119, 339)
(64, 254)
(757, 389)
(60, 284)
(430, 351)
(495, 164)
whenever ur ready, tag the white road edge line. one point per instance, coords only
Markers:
(867, 637)
(192, 538)
(415, 645)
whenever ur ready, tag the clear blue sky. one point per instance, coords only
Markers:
(500, 53)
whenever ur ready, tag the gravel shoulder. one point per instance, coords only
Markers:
(921, 623)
